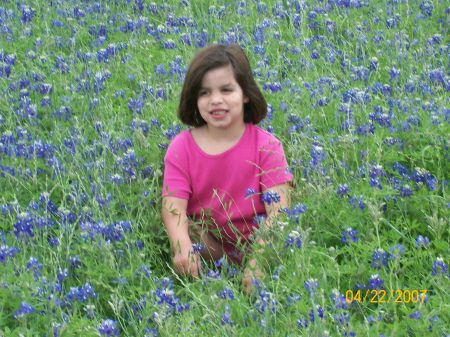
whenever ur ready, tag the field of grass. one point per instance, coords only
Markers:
(359, 95)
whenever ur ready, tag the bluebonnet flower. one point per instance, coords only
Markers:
(75, 262)
(338, 300)
(302, 323)
(197, 248)
(226, 317)
(320, 311)
(24, 226)
(426, 8)
(24, 310)
(439, 267)
(415, 315)
(317, 155)
(81, 294)
(7, 252)
(269, 197)
(266, 302)
(292, 299)
(342, 190)
(27, 13)
(422, 241)
(405, 191)
(35, 266)
(250, 192)
(379, 259)
(396, 252)
(108, 328)
(311, 285)
(376, 282)
(420, 175)
(293, 239)
(295, 212)
(166, 296)
(360, 201)
(172, 132)
(349, 235)
(226, 293)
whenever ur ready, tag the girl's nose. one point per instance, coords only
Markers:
(216, 98)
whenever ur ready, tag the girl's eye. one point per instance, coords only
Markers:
(202, 93)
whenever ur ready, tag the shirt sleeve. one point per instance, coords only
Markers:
(274, 169)
(176, 181)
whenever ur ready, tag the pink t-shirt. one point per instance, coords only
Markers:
(216, 185)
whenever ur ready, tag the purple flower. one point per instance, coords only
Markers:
(376, 282)
(250, 192)
(349, 235)
(108, 328)
(269, 197)
(379, 259)
(226, 293)
(439, 267)
(24, 310)
(7, 252)
(295, 212)
(422, 241)
(397, 251)
(311, 285)
(226, 317)
(426, 8)
(293, 239)
(342, 190)
(415, 315)
(197, 248)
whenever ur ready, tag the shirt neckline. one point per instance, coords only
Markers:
(199, 149)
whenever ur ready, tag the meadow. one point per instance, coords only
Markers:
(358, 92)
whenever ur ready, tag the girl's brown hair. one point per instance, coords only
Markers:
(216, 56)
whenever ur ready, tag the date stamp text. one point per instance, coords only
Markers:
(386, 296)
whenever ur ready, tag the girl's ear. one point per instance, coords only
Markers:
(246, 100)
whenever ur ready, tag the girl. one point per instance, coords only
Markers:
(224, 173)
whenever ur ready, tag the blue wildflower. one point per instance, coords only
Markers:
(198, 248)
(439, 267)
(311, 285)
(379, 259)
(426, 8)
(396, 252)
(226, 293)
(376, 282)
(422, 241)
(349, 235)
(7, 252)
(295, 212)
(250, 192)
(24, 310)
(226, 317)
(108, 328)
(342, 190)
(293, 239)
(302, 323)
(269, 197)
(415, 315)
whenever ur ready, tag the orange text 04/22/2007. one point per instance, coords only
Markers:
(378, 296)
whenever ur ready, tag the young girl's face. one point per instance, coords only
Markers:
(221, 99)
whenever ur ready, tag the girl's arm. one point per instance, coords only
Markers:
(176, 223)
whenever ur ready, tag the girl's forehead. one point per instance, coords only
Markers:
(225, 71)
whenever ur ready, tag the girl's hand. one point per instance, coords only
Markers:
(252, 271)
(184, 260)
